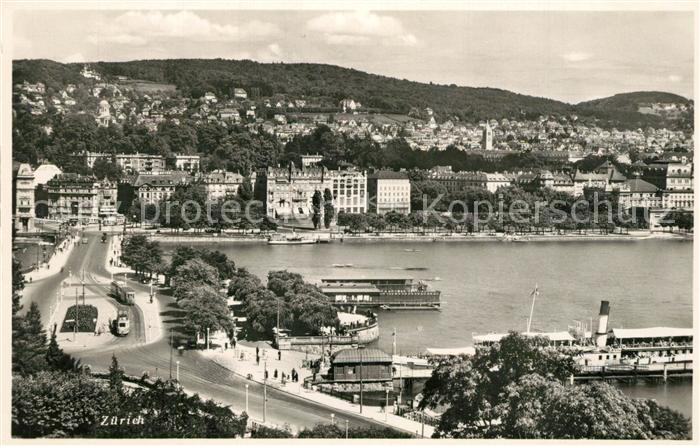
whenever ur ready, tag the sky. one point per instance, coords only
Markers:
(566, 55)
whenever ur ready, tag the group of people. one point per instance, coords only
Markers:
(293, 376)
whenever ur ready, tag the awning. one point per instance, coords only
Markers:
(652, 332)
(555, 336)
(456, 351)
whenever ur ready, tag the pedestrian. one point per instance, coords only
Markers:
(266, 374)
(279, 355)
(257, 359)
(257, 351)
(234, 342)
(225, 343)
(275, 374)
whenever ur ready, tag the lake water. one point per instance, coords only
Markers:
(486, 287)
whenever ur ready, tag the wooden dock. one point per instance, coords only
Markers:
(662, 371)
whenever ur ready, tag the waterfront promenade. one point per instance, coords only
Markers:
(241, 361)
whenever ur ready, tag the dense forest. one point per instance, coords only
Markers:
(325, 85)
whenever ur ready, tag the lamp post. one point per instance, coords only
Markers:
(361, 383)
(177, 370)
(246, 398)
(171, 353)
(265, 393)
(346, 429)
(333, 419)
(386, 406)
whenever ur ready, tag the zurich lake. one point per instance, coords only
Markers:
(486, 287)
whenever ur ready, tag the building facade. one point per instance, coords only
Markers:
(107, 201)
(289, 191)
(140, 162)
(487, 138)
(639, 194)
(189, 163)
(73, 197)
(220, 184)
(389, 192)
(129, 162)
(605, 177)
(25, 212)
(155, 188)
(349, 188)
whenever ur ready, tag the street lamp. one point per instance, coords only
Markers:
(386, 406)
(246, 398)
(333, 419)
(265, 393)
(346, 428)
(177, 370)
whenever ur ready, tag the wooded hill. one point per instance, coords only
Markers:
(325, 85)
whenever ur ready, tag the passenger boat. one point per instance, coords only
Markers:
(617, 351)
(291, 240)
(390, 294)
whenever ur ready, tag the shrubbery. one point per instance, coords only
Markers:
(86, 319)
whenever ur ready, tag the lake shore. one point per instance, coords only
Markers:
(403, 237)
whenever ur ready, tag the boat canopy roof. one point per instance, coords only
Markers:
(354, 288)
(555, 336)
(652, 332)
(456, 351)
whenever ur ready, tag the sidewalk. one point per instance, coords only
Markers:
(231, 359)
(151, 311)
(55, 263)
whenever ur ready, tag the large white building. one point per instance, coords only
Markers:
(289, 190)
(389, 191)
(349, 188)
(73, 197)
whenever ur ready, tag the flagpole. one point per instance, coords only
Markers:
(532, 308)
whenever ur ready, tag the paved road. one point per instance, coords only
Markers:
(197, 373)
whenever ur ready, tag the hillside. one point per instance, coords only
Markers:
(632, 101)
(323, 86)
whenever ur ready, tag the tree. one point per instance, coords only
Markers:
(54, 404)
(116, 376)
(141, 254)
(328, 209)
(104, 168)
(334, 431)
(316, 204)
(245, 190)
(470, 387)
(29, 343)
(516, 389)
(193, 274)
(206, 310)
(57, 359)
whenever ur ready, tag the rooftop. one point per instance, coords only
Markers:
(652, 332)
(354, 356)
(388, 175)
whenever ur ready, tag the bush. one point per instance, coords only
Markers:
(260, 431)
(87, 319)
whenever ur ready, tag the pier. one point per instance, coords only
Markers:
(655, 370)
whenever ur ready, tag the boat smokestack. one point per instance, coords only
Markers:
(601, 336)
